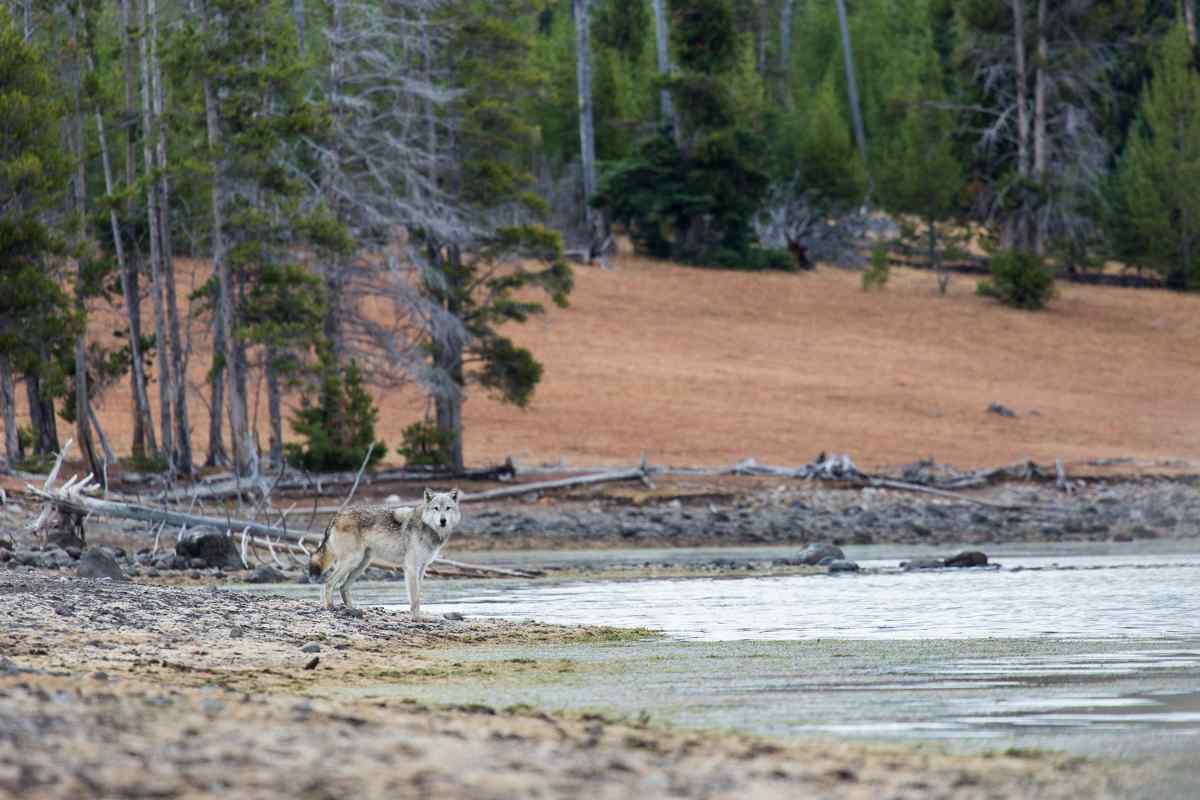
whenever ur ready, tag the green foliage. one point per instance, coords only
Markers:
(36, 314)
(1159, 176)
(155, 463)
(623, 26)
(340, 429)
(877, 274)
(1019, 280)
(425, 445)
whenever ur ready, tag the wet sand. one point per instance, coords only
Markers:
(126, 690)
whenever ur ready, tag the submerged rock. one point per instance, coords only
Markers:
(922, 563)
(843, 566)
(968, 558)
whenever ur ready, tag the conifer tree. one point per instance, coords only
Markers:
(1160, 173)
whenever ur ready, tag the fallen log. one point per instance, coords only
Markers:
(886, 483)
(73, 499)
(636, 473)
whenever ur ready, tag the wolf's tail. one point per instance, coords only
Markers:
(320, 557)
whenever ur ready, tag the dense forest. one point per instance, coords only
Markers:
(381, 186)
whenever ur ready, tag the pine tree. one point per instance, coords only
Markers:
(36, 318)
(919, 171)
(1161, 169)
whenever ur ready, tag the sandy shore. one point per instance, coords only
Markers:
(126, 690)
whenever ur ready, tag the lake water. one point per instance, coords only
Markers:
(1085, 597)
(1092, 649)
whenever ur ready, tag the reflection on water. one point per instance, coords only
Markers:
(1086, 597)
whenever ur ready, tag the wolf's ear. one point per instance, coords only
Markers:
(454, 494)
(428, 494)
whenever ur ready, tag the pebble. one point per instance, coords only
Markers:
(453, 615)
(311, 647)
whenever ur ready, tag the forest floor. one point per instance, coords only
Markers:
(123, 690)
(696, 367)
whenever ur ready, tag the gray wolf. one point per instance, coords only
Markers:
(404, 535)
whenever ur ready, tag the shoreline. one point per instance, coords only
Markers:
(125, 690)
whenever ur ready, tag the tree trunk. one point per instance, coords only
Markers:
(182, 458)
(83, 422)
(448, 404)
(785, 50)
(41, 413)
(217, 457)
(298, 16)
(105, 446)
(852, 90)
(1039, 124)
(664, 67)
(1189, 21)
(244, 453)
(1021, 234)
(141, 405)
(8, 399)
(144, 442)
(274, 407)
(760, 37)
(166, 387)
(27, 23)
(587, 130)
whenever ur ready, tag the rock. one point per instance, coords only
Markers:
(1003, 411)
(74, 552)
(843, 566)
(313, 663)
(922, 563)
(212, 547)
(265, 573)
(97, 563)
(453, 615)
(311, 647)
(393, 500)
(813, 554)
(968, 558)
(198, 563)
(354, 613)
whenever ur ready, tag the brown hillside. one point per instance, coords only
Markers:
(703, 367)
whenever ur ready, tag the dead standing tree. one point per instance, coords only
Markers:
(1051, 143)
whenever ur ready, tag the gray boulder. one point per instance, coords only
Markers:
(97, 563)
(813, 554)
(209, 545)
(843, 566)
(922, 563)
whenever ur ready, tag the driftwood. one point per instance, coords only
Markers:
(225, 485)
(824, 466)
(887, 483)
(636, 473)
(73, 498)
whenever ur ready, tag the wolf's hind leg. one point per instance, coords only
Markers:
(358, 570)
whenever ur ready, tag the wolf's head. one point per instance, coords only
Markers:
(441, 510)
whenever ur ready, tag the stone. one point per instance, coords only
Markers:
(922, 563)
(265, 573)
(453, 615)
(843, 566)
(74, 552)
(967, 558)
(311, 647)
(212, 547)
(814, 553)
(1002, 410)
(97, 563)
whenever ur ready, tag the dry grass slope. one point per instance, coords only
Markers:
(703, 367)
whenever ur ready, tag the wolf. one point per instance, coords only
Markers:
(401, 535)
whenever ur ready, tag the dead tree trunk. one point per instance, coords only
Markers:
(1189, 21)
(182, 458)
(83, 421)
(298, 16)
(593, 218)
(217, 457)
(274, 406)
(785, 50)
(664, 67)
(1039, 122)
(41, 412)
(144, 441)
(852, 90)
(244, 453)
(8, 399)
(166, 386)
(1020, 236)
